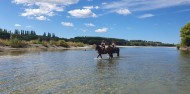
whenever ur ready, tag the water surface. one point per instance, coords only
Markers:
(136, 71)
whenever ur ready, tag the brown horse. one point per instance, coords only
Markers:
(109, 50)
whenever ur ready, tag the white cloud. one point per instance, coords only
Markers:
(38, 8)
(82, 13)
(91, 7)
(68, 24)
(141, 5)
(101, 30)
(88, 7)
(146, 16)
(28, 26)
(41, 18)
(17, 25)
(89, 25)
(123, 11)
(96, 7)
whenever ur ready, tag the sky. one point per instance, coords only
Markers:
(151, 20)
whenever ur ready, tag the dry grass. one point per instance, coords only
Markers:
(15, 43)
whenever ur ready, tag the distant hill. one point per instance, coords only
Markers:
(123, 42)
(31, 35)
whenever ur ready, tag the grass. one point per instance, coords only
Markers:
(16, 43)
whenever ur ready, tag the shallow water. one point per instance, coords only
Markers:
(136, 71)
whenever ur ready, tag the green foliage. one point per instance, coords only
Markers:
(35, 42)
(4, 42)
(185, 35)
(98, 40)
(15, 43)
(76, 44)
(4, 34)
(62, 43)
(45, 43)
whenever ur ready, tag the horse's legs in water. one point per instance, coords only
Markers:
(99, 55)
(110, 56)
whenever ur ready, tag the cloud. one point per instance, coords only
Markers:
(43, 8)
(28, 26)
(17, 25)
(89, 25)
(101, 30)
(142, 5)
(91, 7)
(68, 24)
(41, 18)
(146, 16)
(88, 7)
(123, 11)
(82, 13)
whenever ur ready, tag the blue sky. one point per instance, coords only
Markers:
(153, 20)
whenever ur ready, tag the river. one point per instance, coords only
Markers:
(138, 70)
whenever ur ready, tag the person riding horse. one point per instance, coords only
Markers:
(111, 49)
(103, 45)
(113, 44)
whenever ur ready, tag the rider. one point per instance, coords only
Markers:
(103, 44)
(113, 44)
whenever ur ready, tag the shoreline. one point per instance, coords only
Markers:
(41, 48)
(145, 47)
(37, 47)
(184, 48)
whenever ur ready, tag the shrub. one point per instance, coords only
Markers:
(44, 43)
(35, 42)
(4, 42)
(62, 43)
(76, 44)
(53, 43)
(15, 43)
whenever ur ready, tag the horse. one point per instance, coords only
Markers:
(109, 50)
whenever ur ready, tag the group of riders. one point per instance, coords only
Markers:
(103, 45)
(102, 49)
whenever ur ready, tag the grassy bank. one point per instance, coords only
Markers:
(16, 43)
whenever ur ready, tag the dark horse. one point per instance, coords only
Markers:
(109, 50)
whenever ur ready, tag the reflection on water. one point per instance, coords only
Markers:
(136, 71)
(13, 53)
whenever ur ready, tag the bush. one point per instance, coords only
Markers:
(76, 44)
(15, 43)
(4, 42)
(53, 43)
(62, 43)
(44, 43)
(35, 42)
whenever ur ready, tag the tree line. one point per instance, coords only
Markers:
(31, 35)
(98, 40)
(27, 35)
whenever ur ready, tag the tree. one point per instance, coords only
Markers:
(185, 35)
(44, 35)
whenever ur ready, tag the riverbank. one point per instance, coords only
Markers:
(39, 47)
(185, 48)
